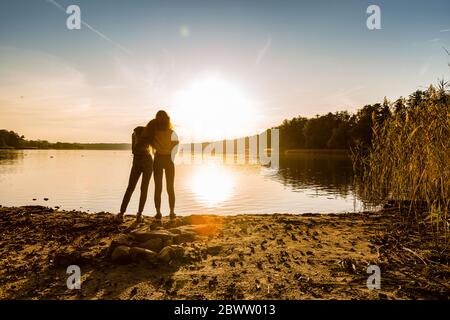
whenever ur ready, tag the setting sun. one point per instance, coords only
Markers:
(212, 108)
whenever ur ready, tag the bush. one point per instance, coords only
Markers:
(408, 160)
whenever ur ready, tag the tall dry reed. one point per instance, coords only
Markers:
(409, 159)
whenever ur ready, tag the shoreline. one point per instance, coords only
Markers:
(256, 256)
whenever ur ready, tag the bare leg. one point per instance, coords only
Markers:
(146, 175)
(134, 177)
(170, 179)
(158, 175)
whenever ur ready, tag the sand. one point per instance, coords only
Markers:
(274, 256)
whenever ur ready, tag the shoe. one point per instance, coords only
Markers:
(119, 218)
(172, 216)
(139, 217)
(158, 216)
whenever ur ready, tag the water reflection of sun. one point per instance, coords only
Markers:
(212, 184)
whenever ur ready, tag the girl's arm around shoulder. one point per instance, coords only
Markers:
(174, 143)
(174, 138)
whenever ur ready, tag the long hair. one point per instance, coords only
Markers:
(149, 132)
(137, 135)
(163, 120)
(138, 141)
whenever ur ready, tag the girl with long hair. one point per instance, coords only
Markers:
(141, 140)
(165, 144)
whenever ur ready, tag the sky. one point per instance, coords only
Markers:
(222, 69)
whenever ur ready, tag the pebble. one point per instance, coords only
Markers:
(121, 255)
(172, 252)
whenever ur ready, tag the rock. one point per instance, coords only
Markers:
(143, 236)
(176, 230)
(153, 245)
(155, 225)
(122, 240)
(382, 296)
(214, 250)
(173, 223)
(121, 255)
(141, 254)
(185, 236)
(80, 226)
(213, 283)
(167, 242)
(66, 259)
(348, 265)
(170, 253)
(180, 229)
(87, 257)
(133, 292)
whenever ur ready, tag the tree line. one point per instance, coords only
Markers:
(343, 130)
(11, 139)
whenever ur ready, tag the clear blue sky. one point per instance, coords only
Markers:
(285, 58)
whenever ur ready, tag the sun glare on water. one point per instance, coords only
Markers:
(212, 109)
(212, 185)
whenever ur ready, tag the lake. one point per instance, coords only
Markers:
(92, 180)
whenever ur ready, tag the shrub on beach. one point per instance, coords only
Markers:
(408, 160)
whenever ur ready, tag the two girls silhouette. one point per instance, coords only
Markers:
(158, 135)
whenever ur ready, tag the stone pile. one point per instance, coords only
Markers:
(154, 246)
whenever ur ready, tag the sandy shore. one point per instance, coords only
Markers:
(273, 256)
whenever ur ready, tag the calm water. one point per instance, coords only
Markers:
(96, 181)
